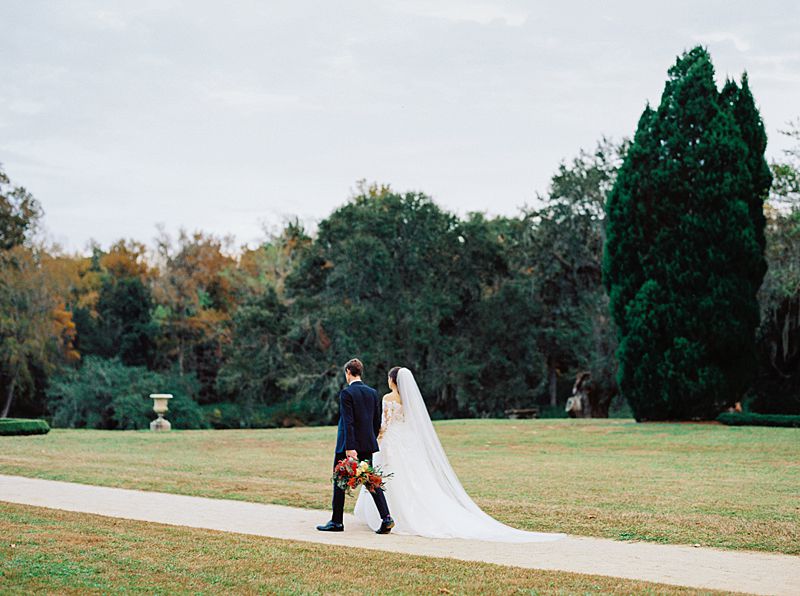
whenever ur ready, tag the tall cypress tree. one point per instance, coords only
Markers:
(740, 101)
(684, 249)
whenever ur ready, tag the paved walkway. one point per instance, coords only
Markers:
(758, 573)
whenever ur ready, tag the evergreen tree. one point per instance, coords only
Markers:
(123, 327)
(741, 102)
(684, 248)
(255, 358)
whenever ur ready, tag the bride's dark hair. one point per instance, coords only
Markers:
(393, 374)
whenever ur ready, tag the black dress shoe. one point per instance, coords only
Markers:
(386, 526)
(331, 526)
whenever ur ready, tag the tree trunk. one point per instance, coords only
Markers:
(180, 357)
(9, 397)
(600, 402)
(552, 382)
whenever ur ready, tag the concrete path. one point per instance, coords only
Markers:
(757, 573)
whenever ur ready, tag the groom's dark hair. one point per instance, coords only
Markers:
(355, 367)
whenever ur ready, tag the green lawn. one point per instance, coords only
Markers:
(729, 487)
(61, 552)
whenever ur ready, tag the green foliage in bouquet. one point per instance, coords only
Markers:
(350, 473)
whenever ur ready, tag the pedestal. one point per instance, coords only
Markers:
(160, 424)
(160, 401)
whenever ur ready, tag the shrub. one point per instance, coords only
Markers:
(106, 394)
(23, 426)
(225, 415)
(552, 412)
(752, 419)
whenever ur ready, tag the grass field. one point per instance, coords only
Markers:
(728, 487)
(61, 552)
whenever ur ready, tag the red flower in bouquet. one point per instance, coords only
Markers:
(375, 482)
(350, 473)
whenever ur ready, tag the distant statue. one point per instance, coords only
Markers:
(588, 400)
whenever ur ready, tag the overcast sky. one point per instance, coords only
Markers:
(226, 116)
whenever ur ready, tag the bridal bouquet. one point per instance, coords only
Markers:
(350, 473)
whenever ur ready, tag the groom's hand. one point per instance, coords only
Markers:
(352, 453)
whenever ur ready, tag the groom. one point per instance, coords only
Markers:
(359, 422)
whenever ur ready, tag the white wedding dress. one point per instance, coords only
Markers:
(424, 494)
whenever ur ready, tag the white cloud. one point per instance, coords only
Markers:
(483, 13)
(251, 98)
(724, 36)
(24, 107)
(105, 19)
(175, 109)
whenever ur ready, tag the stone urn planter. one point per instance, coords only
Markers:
(160, 401)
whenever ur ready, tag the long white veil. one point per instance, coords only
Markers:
(451, 494)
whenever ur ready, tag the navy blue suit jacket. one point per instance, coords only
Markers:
(360, 412)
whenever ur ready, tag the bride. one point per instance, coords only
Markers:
(424, 494)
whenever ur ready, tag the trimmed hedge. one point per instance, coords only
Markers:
(23, 426)
(751, 419)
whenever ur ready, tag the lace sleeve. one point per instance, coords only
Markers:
(386, 418)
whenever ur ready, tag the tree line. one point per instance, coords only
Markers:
(664, 270)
